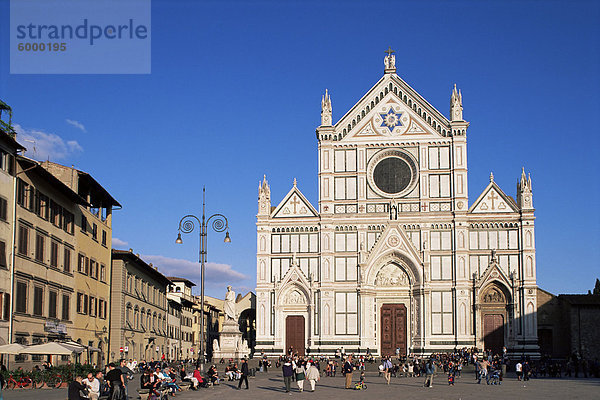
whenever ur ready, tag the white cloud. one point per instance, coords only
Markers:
(76, 124)
(116, 242)
(216, 274)
(46, 146)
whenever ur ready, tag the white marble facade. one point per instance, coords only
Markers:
(394, 228)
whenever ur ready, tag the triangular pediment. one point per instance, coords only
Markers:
(391, 119)
(294, 205)
(390, 109)
(393, 238)
(294, 276)
(493, 200)
(493, 273)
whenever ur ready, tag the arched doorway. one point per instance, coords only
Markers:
(494, 317)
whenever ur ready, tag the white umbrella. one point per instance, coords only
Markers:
(12, 348)
(53, 348)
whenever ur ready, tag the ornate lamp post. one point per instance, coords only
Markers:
(187, 225)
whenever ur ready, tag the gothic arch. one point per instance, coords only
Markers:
(399, 258)
(289, 289)
(495, 292)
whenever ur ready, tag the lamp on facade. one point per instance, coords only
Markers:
(219, 223)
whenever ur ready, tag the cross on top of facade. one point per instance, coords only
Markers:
(493, 197)
(295, 203)
(389, 51)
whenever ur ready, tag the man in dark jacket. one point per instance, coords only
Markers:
(288, 371)
(75, 387)
(244, 374)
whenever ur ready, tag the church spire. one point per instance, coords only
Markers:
(389, 61)
(264, 197)
(326, 109)
(524, 192)
(456, 107)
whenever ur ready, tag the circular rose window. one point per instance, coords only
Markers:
(392, 173)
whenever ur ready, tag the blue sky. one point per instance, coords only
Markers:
(235, 93)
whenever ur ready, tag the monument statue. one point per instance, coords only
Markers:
(216, 345)
(229, 305)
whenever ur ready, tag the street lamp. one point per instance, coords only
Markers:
(186, 225)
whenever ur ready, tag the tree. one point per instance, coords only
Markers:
(597, 287)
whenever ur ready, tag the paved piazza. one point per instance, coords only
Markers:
(270, 386)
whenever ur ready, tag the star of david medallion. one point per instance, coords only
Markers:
(391, 119)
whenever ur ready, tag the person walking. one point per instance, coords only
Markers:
(243, 373)
(300, 375)
(313, 376)
(429, 371)
(387, 369)
(288, 371)
(347, 370)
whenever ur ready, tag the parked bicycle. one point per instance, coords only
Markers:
(23, 382)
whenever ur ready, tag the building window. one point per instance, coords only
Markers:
(67, 260)
(22, 189)
(21, 297)
(81, 263)
(52, 303)
(346, 313)
(95, 231)
(93, 269)
(102, 273)
(4, 306)
(346, 269)
(103, 238)
(54, 254)
(39, 248)
(441, 240)
(38, 300)
(80, 303)
(3, 209)
(87, 266)
(66, 307)
(441, 267)
(68, 222)
(84, 224)
(43, 202)
(92, 306)
(3, 254)
(441, 313)
(23, 240)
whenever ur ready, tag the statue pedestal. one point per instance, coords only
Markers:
(230, 343)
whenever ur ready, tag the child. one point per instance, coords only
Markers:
(451, 375)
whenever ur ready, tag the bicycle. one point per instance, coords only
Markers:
(24, 382)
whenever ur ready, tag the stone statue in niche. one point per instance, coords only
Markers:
(216, 345)
(493, 296)
(391, 275)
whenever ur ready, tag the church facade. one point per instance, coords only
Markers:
(394, 255)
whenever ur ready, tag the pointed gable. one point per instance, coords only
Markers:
(294, 205)
(391, 108)
(493, 273)
(493, 200)
(393, 237)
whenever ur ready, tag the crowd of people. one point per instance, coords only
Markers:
(162, 379)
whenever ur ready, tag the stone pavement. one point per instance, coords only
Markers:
(270, 386)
